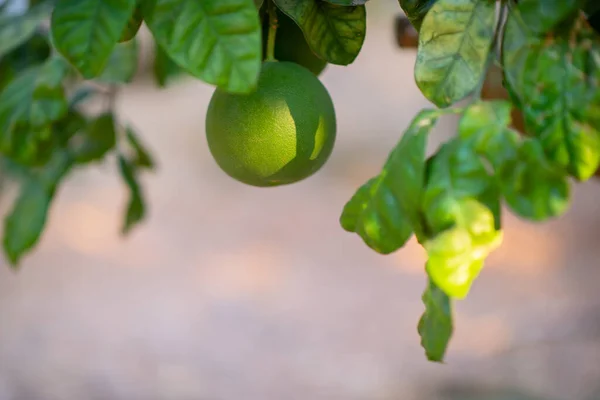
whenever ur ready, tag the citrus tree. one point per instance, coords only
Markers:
(271, 121)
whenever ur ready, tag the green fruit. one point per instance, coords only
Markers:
(281, 133)
(290, 45)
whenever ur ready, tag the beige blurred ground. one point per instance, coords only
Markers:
(230, 292)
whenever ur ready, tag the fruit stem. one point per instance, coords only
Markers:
(272, 31)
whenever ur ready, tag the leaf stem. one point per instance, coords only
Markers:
(273, 22)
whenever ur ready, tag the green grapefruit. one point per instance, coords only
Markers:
(280, 134)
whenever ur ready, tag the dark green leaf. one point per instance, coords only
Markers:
(15, 30)
(142, 157)
(555, 81)
(33, 52)
(133, 25)
(25, 223)
(85, 32)
(290, 45)
(136, 209)
(122, 65)
(462, 230)
(435, 326)
(68, 126)
(164, 68)
(95, 141)
(218, 41)
(454, 45)
(416, 10)
(347, 3)
(531, 186)
(28, 106)
(592, 7)
(541, 16)
(335, 33)
(385, 211)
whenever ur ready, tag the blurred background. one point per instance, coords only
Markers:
(229, 292)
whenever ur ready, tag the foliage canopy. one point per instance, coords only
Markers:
(60, 53)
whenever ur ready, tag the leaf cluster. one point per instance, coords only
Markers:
(60, 54)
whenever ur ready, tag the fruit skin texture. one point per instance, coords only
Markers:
(280, 134)
(290, 45)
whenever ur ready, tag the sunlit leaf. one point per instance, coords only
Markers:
(463, 230)
(454, 45)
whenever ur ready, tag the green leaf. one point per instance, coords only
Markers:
(142, 157)
(435, 326)
(532, 187)
(454, 45)
(24, 224)
(81, 95)
(456, 255)
(136, 209)
(416, 10)
(385, 211)
(218, 41)
(258, 3)
(28, 106)
(485, 126)
(15, 30)
(555, 82)
(133, 25)
(33, 52)
(562, 101)
(68, 126)
(122, 65)
(164, 68)
(335, 33)
(85, 32)
(347, 3)
(462, 230)
(95, 141)
(542, 16)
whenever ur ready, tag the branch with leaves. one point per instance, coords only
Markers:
(452, 201)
